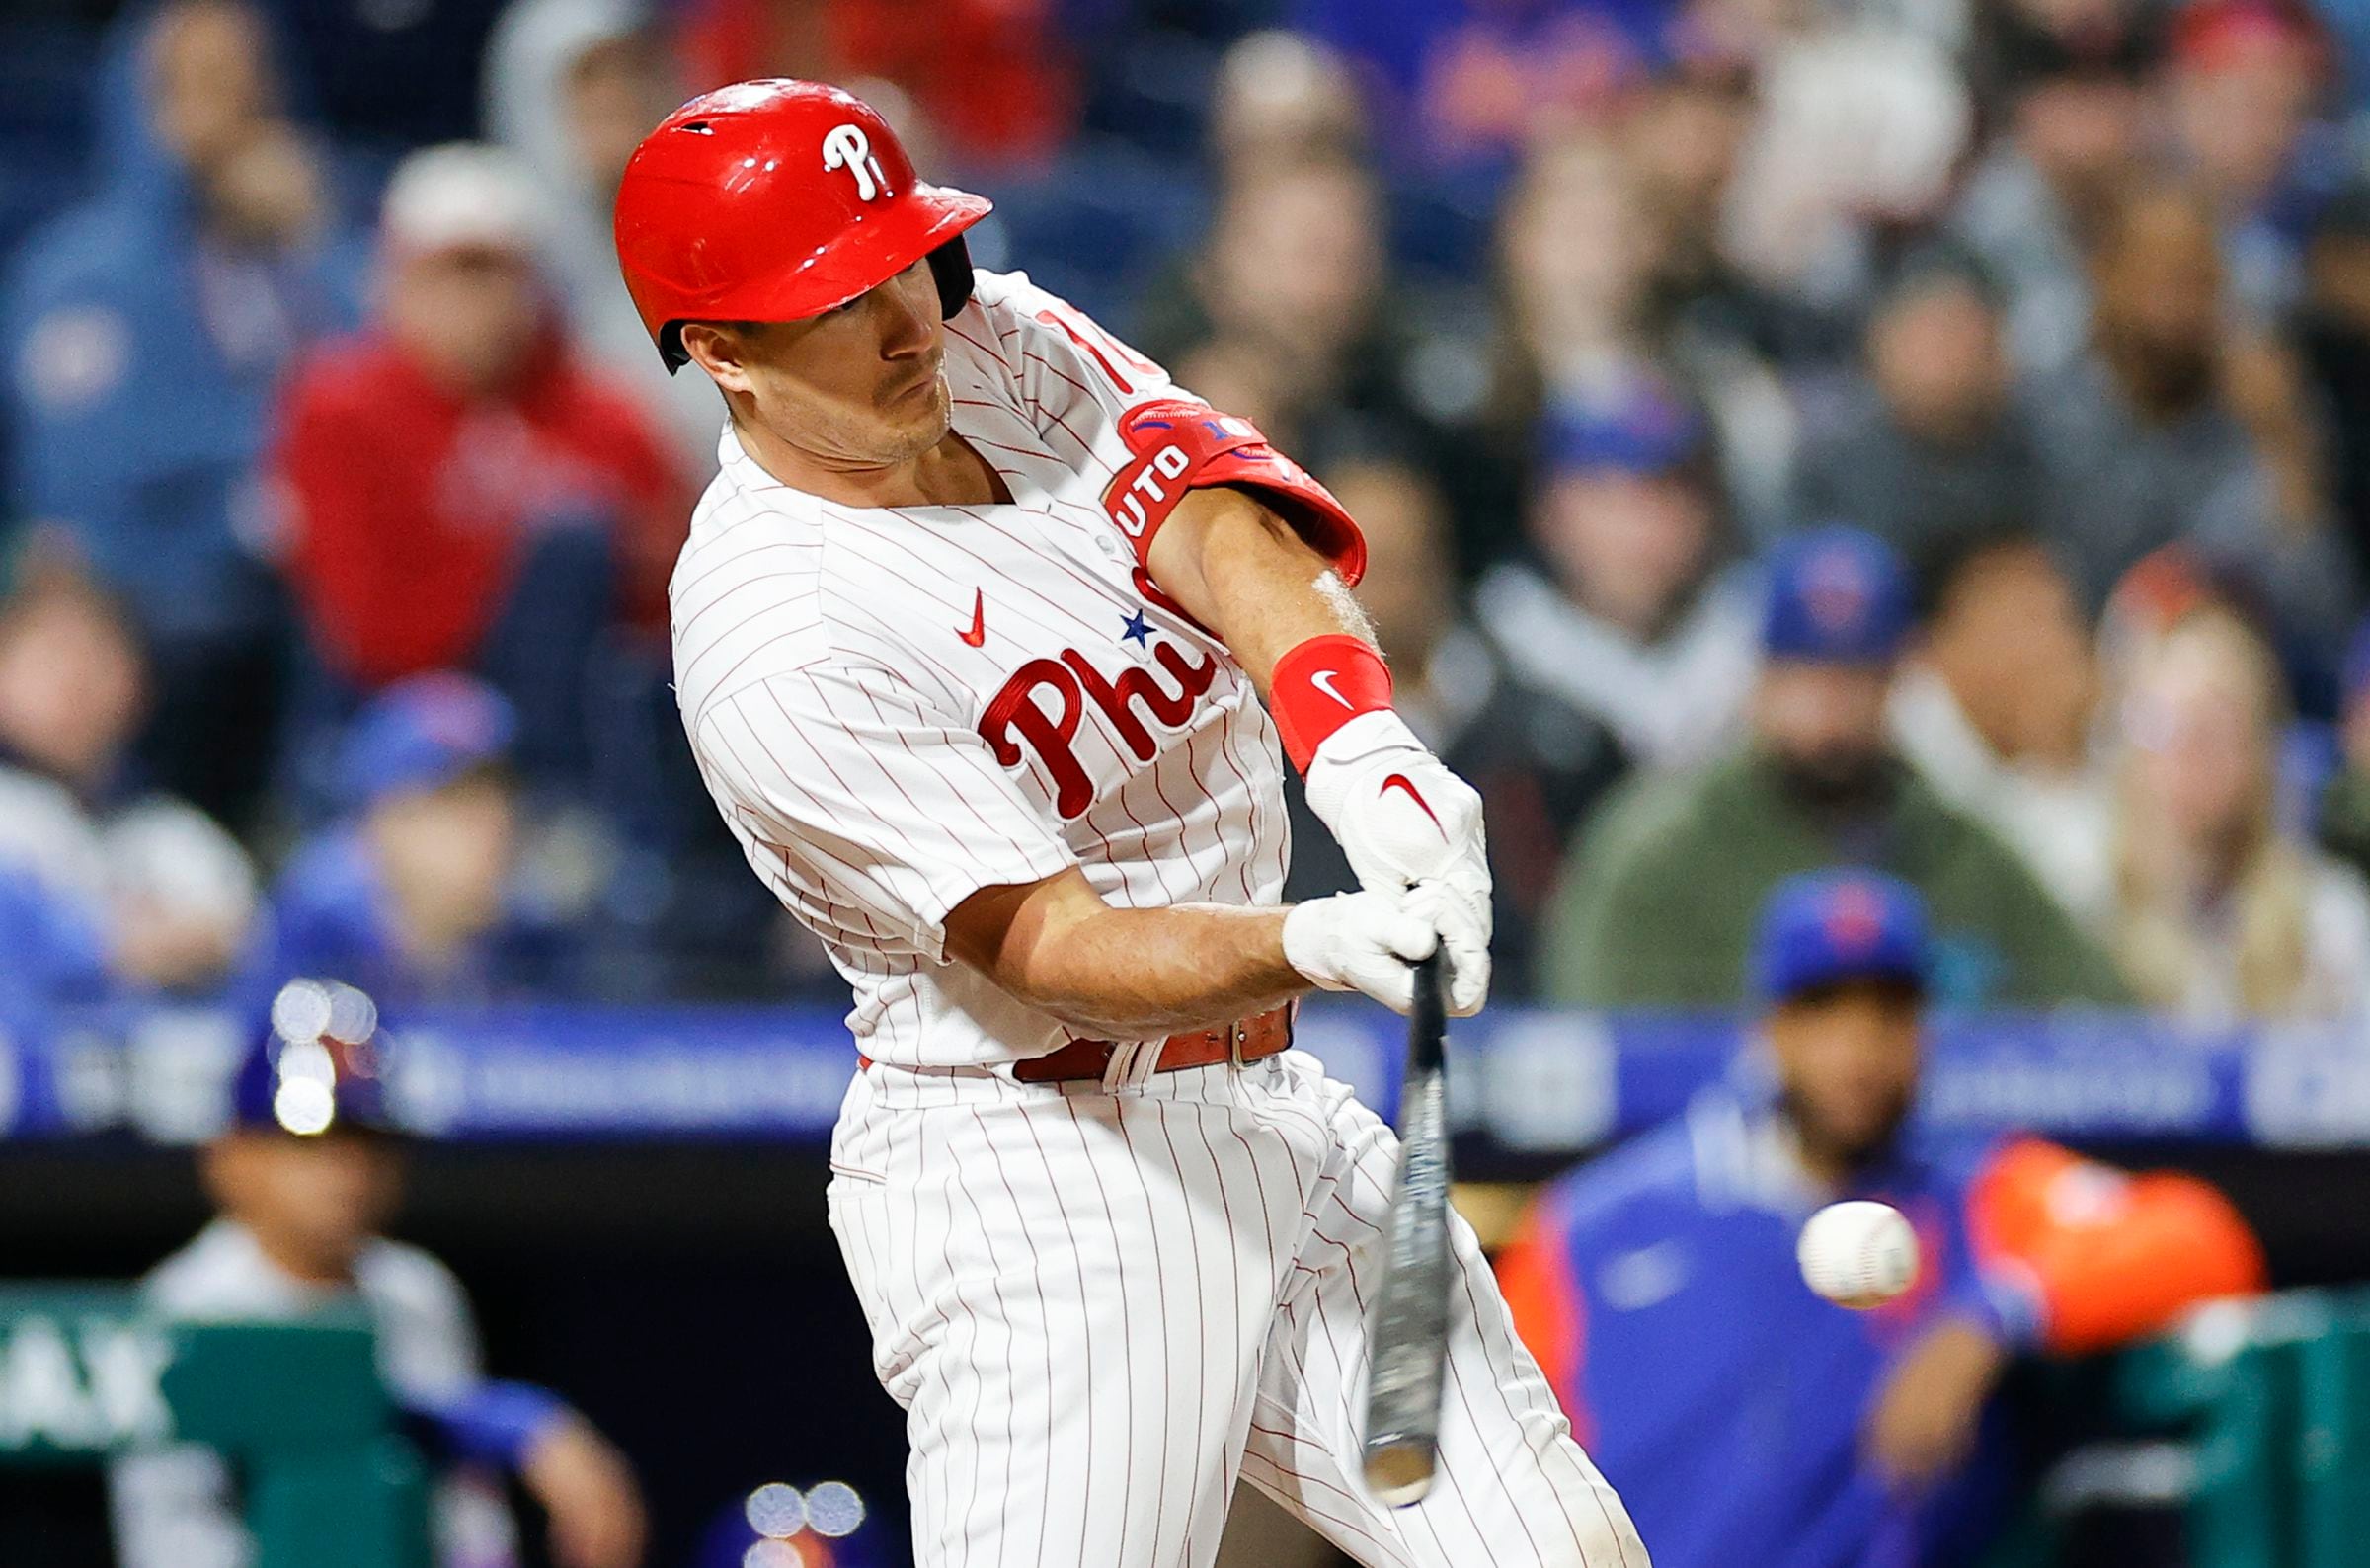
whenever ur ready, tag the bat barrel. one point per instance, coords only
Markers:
(1408, 1338)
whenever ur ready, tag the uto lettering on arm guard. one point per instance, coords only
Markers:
(1402, 818)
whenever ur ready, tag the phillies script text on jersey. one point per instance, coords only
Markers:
(893, 707)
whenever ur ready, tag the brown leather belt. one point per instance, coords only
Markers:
(1246, 1040)
(1250, 1039)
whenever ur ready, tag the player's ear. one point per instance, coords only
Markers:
(719, 349)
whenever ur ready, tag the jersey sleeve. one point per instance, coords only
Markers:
(1542, 1284)
(2111, 1256)
(1156, 438)
(869, 810)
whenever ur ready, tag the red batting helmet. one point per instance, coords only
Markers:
(776, 200)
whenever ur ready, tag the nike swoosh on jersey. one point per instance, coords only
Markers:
(1322, 681)
(978, 619)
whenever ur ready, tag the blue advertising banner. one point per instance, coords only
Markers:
(1530, 1081)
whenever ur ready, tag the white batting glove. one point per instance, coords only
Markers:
(1366, 942)
(1403, 818)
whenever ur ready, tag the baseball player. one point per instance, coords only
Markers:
(304, 1176)
(977, 638)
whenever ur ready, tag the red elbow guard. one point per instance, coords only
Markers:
(1321, 685)
(1175, 446)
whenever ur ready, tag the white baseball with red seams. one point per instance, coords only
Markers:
(1098, 1303)
(1857, 1253)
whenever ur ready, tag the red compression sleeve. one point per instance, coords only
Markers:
(1321, 685)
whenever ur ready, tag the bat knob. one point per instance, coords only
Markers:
(1399, 1473)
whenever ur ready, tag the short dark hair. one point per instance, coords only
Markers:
(1947, 560)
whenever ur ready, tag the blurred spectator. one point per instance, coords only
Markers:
(998, 78)
(1926, 445)
(1680, 138)
(1539, 761)
(147, 330)
(2334, 338)
(168, 891)
(1580, 249)
(1461, 83)
(1578, 253)
(2247, 79)
(389, 76)
(2342, 814)
(1658, 898)
(418, 894)
(1602, 282)
(1794, 1434)
(1292, 294)
(1992, 708)
(572, 86)
(464, 492)
(54, 955)
(308, 1174)
(2174, 428)
(1715, 327)
(1280, 98)
(2221, 914)
(1632, 615)
(1859, 134)
(2074, 81)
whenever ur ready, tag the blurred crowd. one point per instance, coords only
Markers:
(1932, 434)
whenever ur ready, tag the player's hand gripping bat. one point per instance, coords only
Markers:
(1408, 1338)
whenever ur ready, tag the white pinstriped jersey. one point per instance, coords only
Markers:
(895, 707)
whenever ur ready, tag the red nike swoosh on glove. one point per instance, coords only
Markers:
(1401, 780)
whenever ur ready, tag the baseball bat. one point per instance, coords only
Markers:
(1408, 1340)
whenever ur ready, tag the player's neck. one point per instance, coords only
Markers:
(949, 474)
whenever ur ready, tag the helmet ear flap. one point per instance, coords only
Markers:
(950, 264)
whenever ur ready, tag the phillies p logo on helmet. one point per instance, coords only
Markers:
(847, 147)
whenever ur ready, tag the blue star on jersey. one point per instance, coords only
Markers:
(1138, 630)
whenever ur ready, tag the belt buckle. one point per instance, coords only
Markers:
(1235, 1034)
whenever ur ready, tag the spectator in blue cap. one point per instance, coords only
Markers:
(1657, 905)
(1626, 609)
(304, 1179)
(1745, 1419)
(414, 892)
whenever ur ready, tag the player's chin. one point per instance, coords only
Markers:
(917, 417)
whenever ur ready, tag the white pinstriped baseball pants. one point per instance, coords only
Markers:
(1098, 1308)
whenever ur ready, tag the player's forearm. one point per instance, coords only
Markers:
(1135, 974)
(1241, 569)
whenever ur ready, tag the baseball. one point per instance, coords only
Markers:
(1857, 1254)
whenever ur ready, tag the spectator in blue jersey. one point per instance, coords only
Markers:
(144, 333)
(415, 892)
(305, 1180)
(1747, 1420)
